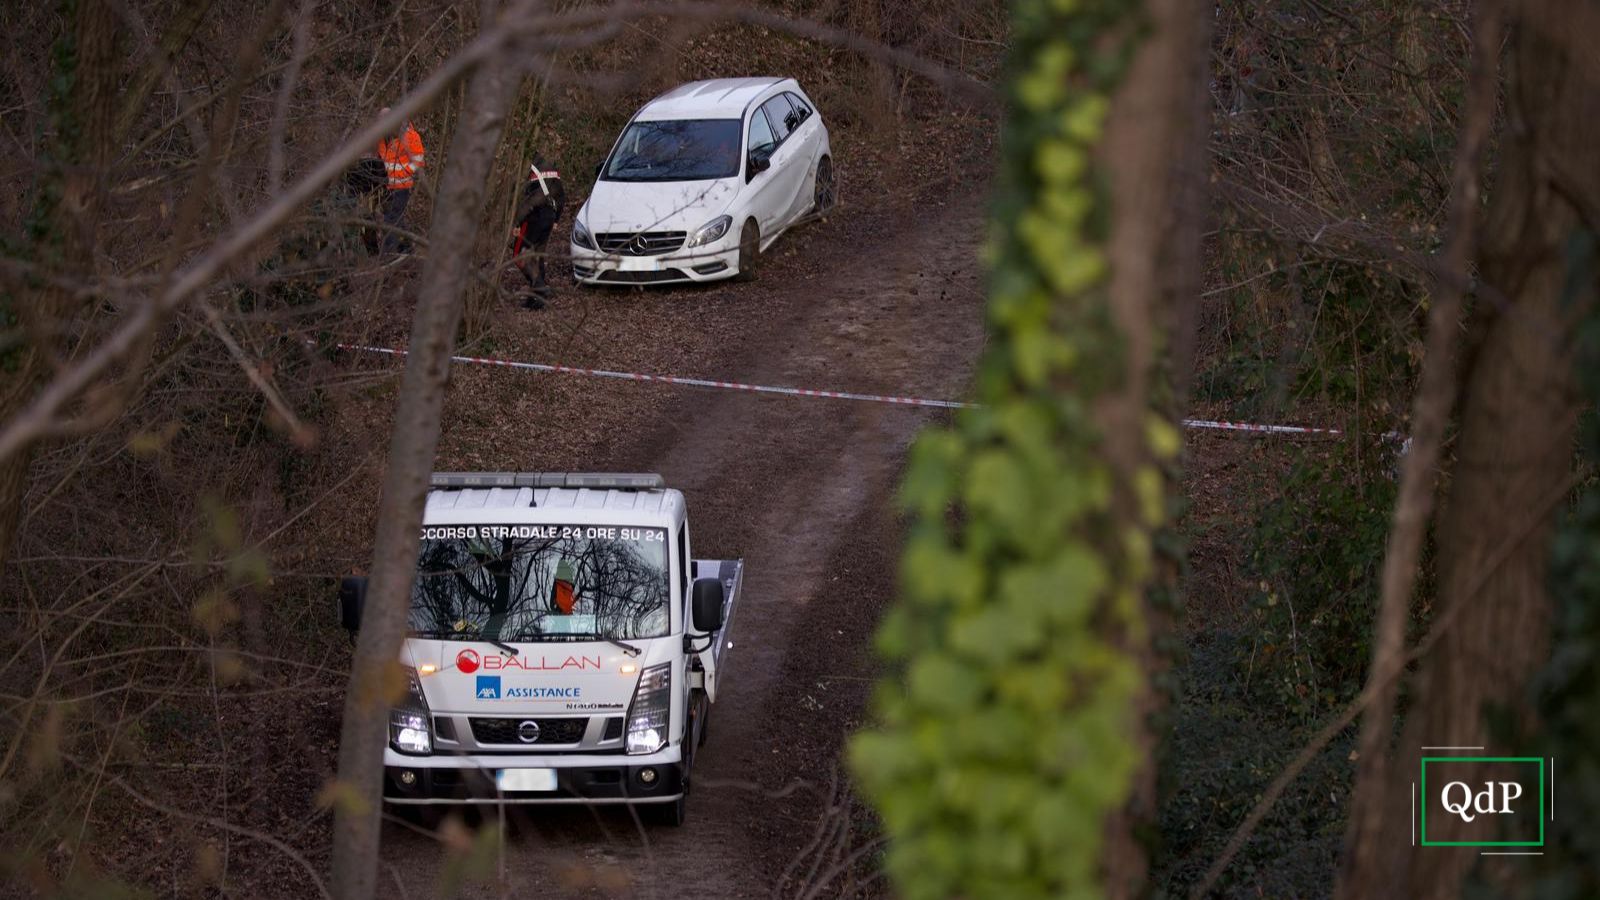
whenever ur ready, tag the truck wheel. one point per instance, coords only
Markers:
(668, 814)
(705, 721)
(429, 817)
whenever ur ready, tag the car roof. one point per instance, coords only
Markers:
(718, 98)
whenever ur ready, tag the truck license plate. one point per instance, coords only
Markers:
(638, 264)
(526, 779)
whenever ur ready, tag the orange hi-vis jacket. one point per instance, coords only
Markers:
(402, 157)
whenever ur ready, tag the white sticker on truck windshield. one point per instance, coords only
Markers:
(544, 532)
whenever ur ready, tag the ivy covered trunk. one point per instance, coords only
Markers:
(60, 228)
(1014, 752)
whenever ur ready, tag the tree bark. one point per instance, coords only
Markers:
(458, 212)
(1515, 446)
(1430, 413)
(1154, 141)
(66, 206)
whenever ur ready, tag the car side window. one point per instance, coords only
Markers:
(801, 109)
(762, 140)
(781, 115)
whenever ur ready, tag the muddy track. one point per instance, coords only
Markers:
(802, 489)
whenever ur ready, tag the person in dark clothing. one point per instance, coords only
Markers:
(364, 183)
(543, 198)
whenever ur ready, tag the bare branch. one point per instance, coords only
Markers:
(299, 432)
(280, 113)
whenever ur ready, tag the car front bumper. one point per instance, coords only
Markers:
(709, 263)
(589, 778)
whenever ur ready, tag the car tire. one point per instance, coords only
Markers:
(749, 251)
(822, 188)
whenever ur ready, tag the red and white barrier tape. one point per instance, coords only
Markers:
(676, 379)
(807, 392)
(1259, 429)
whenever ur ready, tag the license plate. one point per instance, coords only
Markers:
(638, 264)
(526, 779)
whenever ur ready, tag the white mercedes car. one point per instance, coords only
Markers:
(703, 179)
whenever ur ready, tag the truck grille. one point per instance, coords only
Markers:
(551, 731)
(640, 243)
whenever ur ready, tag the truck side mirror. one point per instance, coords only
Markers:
(352, 598)
(707, 605)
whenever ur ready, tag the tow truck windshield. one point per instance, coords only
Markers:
(541, 583)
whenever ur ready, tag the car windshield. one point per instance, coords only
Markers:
(676, 150)
(541, 583)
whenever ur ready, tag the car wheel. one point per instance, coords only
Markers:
(822, 191)
(749, 251)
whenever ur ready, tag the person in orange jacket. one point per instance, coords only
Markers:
(403, 159)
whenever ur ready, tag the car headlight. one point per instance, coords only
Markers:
(710, 231)
(651, 711)
(581, 235)
(410, 726)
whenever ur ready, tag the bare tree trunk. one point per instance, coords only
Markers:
(457, 215)
(1430, 413)
(1515, 445)
(1153, 138)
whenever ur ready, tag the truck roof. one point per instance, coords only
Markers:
(450, 505)
(718, 98)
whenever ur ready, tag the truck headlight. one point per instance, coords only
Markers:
(711, 231)
(409, 732)
(581, 235)
(651, 711)
(410, 726)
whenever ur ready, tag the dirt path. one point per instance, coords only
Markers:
(802, 489)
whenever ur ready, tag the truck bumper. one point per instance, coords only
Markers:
(588, 779)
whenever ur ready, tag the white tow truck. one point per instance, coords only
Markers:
(564, 646)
